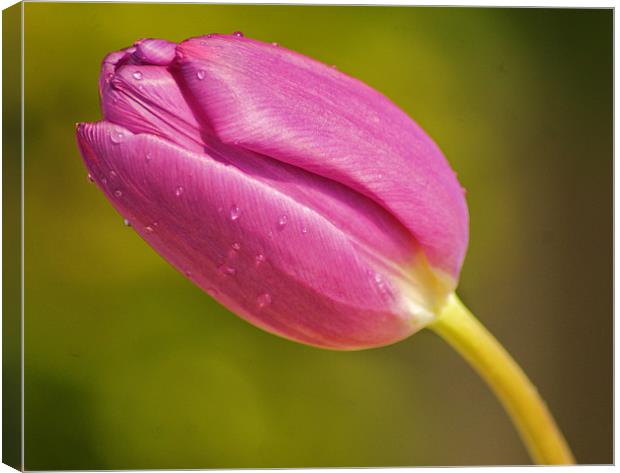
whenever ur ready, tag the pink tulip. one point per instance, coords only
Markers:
(297, 196)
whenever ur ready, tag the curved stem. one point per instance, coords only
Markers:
(544, 441)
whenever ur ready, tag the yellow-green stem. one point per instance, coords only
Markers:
(544, 441)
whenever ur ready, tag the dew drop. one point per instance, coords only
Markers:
(178, 191)
(238, 34)
(201, 74)
(236, 246)
(112, 174)
(116, 137)
(381, 284)
(90, 177)
(304, 230)
(275, 44)
(127, 223)
(148, 158)
(118, 193)
(234, 213)
(108, 76)
(149, 229)
(263, 300)
(379, 176)
(282, 221)
(137, 75)
(229, 270)
(260, 259)
(188, 273)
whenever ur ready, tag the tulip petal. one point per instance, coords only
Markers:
(147, 99)
(265, 239)
(287, 106)
(157, 52)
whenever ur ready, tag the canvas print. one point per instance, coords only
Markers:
(287, 236)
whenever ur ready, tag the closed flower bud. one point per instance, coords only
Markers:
(298, 197)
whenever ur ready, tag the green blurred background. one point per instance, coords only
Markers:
(128, 365)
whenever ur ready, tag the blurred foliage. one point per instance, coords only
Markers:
(128, 365)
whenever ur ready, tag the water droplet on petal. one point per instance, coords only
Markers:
(236, 246)
(90, 177)
(229, 270)
(238, 34)
(234, 213)
(127, 223)
(148, 158)
(109, 76)
(282, 221)
(178, 191)
(379, 176)
(201, 74)
(116, 137)
(188, 273)
(149, 229)
(382, 286)
(260, 259)
(275, 44)
(304, 230)
(118, 193)
(112, 174)
(263, 301)
(137, 75)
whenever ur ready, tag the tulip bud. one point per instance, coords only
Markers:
(298, 197)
